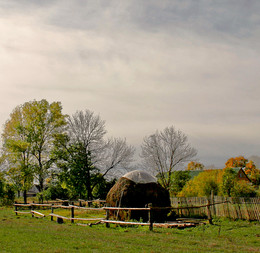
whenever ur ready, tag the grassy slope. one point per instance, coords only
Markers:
(26, 234)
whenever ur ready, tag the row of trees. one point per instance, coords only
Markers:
(40, 142)
(73, 155)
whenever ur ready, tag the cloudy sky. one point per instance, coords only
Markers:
(142, 65)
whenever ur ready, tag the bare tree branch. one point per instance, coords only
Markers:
(163, 151)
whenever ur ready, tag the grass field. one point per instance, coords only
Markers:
(23, 233)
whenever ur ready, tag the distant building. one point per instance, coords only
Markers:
(241, 175)
(33, 191)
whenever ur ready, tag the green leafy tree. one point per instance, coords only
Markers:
(28, 139)
(78, 173)
(17, 152)
(228, 181)
(43, 122)
(203, 184)
(179, 179)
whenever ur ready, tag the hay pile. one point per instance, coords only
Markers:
(138, 189)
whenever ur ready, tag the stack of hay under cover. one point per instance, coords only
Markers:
(138, 189)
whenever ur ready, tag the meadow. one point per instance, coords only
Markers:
(22, 233)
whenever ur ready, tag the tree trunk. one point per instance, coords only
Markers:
(25, 197)
(88, 186)
(41, 184)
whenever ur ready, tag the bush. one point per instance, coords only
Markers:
(202, 185)
(243, 189)
(228, 181)
(7, 194)
(179, 179)
(55, 191)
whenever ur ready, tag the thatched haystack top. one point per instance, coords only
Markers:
(140, 177)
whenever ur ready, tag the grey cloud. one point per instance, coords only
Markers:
(141, 65)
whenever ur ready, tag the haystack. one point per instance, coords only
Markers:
(138, 189)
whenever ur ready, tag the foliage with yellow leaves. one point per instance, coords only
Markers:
(195, 166)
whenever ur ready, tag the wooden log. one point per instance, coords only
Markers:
(22, 212)
(27, 205)
(87, 219)
(41, 205)
(85, 208)
(125, 222)
(59, 216)
(126, 208)
(38, 213)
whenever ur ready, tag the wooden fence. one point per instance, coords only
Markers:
(200, 207)
(234, 208)
(29, 209)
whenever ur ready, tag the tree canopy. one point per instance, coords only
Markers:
(28, 139)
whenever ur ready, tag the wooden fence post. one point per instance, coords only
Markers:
(213, 203)
(31, 208)
(51, 212)
(209, 213)
(107, 218)
(15, 207)
(72, 212)
(150, 217)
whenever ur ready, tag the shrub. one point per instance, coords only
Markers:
(202, 185)
(55, 191)
(7, 194)
(243, 189)
(228, 181)
(179, 179)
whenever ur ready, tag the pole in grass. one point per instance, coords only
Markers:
(107, 218)
(51, 212)
(15, 207)
(72, 212)
(150, 216)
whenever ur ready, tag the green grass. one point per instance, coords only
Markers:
(23, 233)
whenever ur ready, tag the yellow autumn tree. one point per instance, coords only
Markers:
(203, 184)
(195, 166)
(234, 162)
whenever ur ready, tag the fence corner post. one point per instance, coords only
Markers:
(150, 216)
(51, 212)
(107, 218)
(72, 212)
(15, 207)
(209, 213)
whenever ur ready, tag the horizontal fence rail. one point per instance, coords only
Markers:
(186, 209)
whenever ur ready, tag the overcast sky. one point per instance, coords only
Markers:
(142, 65)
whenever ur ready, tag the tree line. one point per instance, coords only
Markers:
(72, 155)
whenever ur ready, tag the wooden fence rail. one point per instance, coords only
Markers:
(213, 206)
